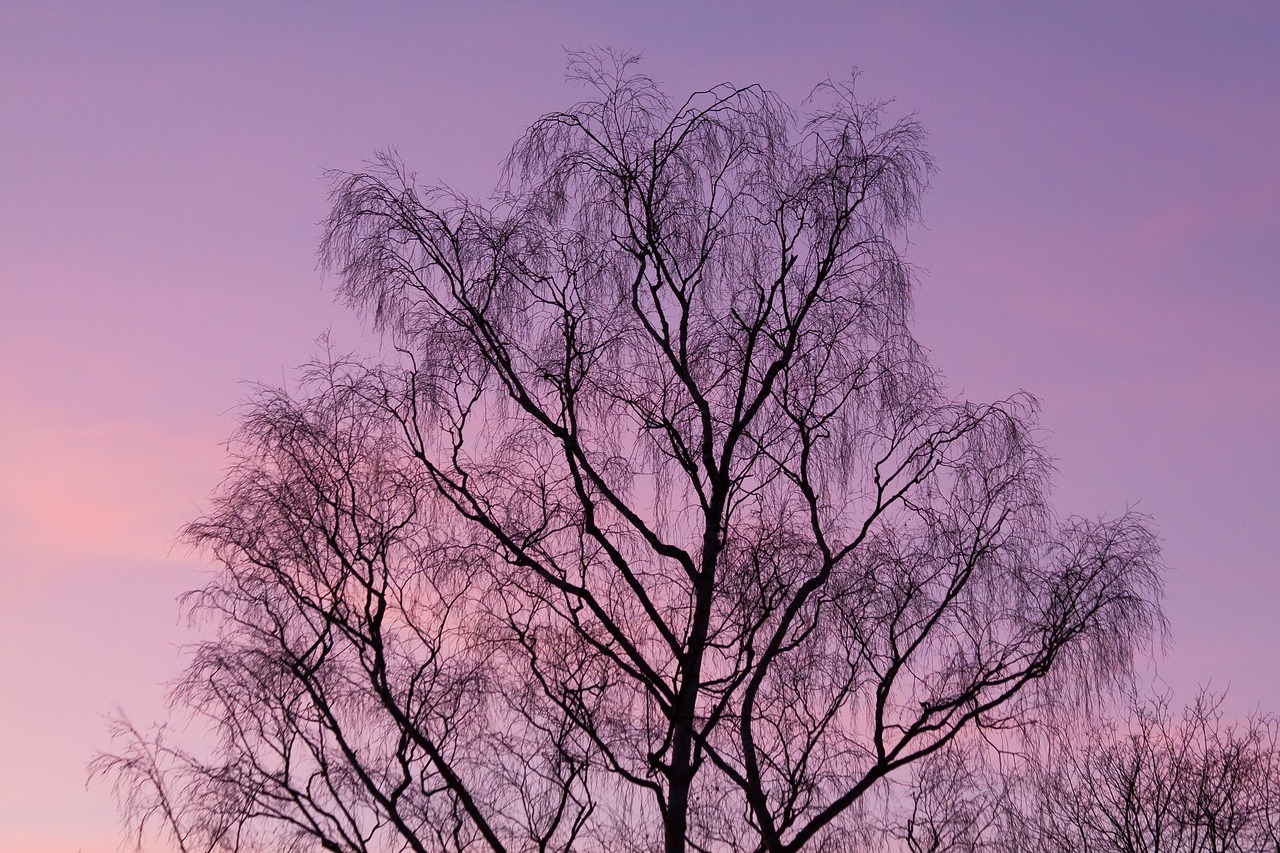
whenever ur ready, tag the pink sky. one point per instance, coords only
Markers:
(1104, 231)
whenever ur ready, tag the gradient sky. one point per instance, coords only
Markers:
(1104, 231)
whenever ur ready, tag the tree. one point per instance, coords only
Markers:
(658, 531)
(1152, 782)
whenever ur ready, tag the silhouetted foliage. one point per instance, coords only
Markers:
(658, 533)
(1153, 782)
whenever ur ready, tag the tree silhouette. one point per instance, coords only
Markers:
(1150, 782)
(657, 532)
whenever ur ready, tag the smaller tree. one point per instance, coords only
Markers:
(1153, 782)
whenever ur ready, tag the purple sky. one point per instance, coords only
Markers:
(1104, 231)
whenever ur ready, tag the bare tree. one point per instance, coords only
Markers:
(659, 533)
(1266, 831)
(1153, 781)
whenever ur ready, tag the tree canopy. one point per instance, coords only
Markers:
(656, 531)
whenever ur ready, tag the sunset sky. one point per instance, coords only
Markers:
(1103, 231)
